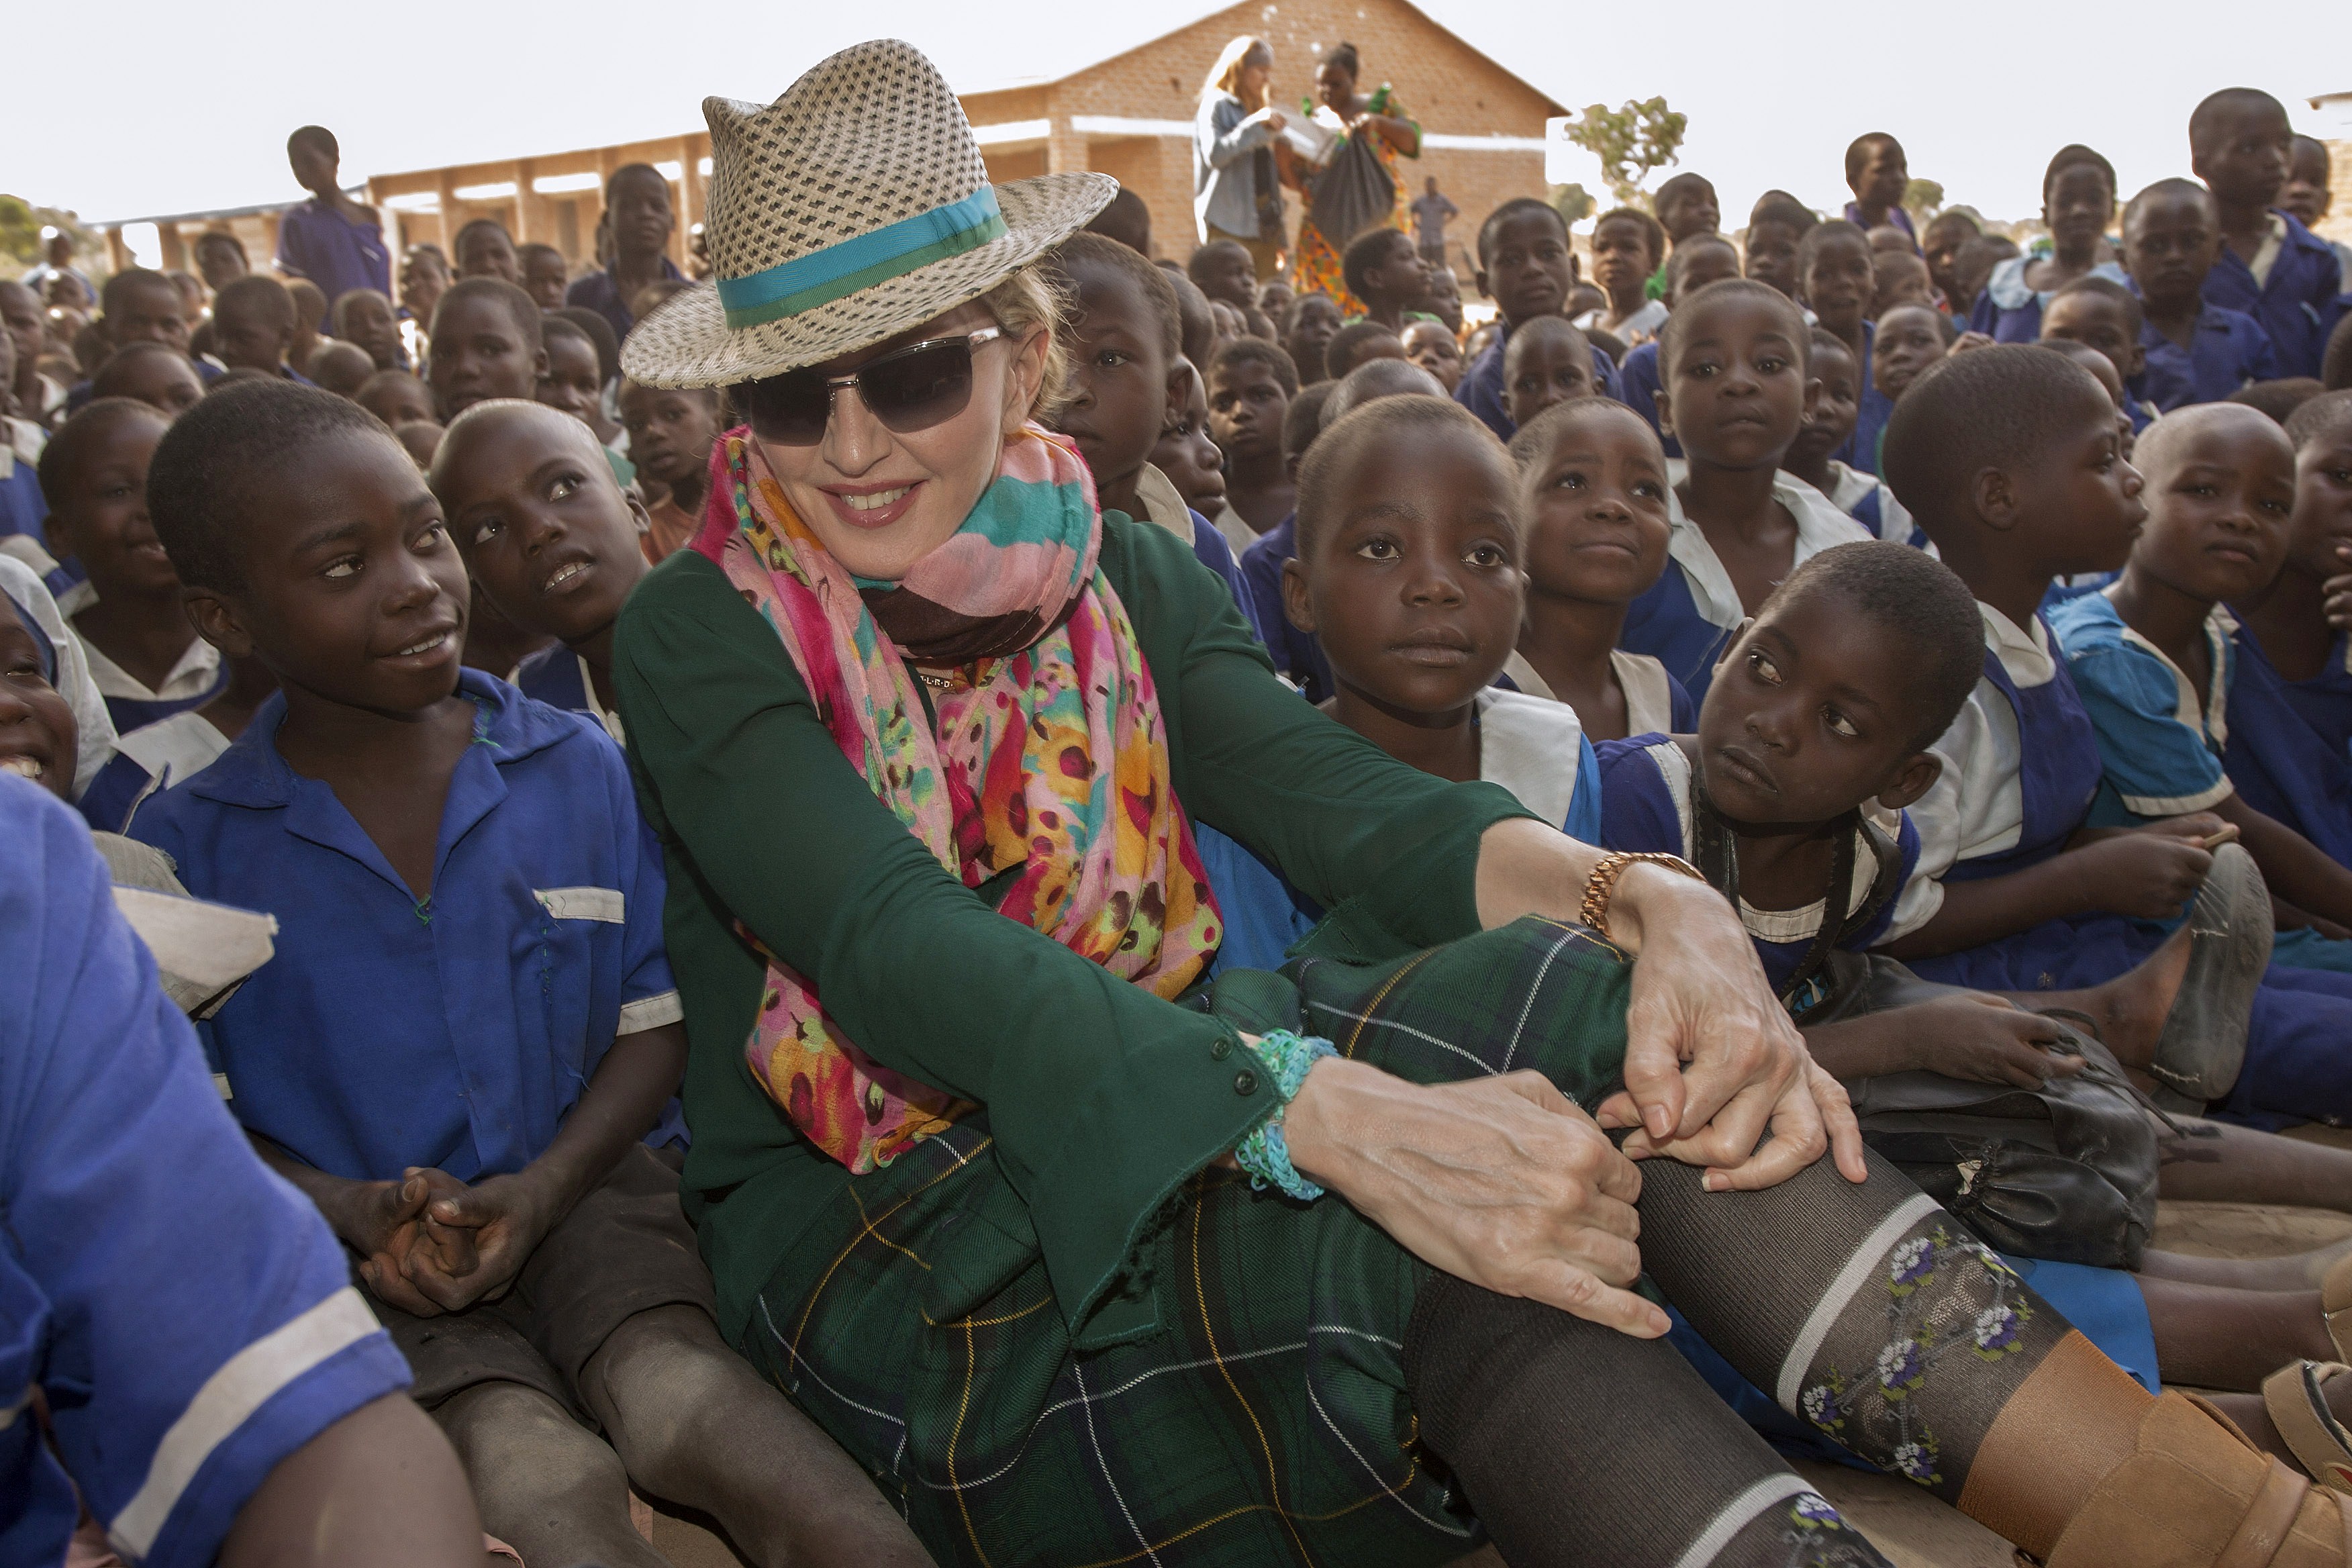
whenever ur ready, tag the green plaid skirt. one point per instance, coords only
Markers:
(1263, 1417)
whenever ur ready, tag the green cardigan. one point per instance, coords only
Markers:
(1101, 1098)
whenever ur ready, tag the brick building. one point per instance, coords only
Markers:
(1129, 114)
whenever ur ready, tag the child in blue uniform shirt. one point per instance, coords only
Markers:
(1828, 428)
(2010, 460)
(2192, 350)
(1128, 382)
(1526, 266)
(2155, 656)
(1837, 281)
(1697, 262)
(1409, 572)
(1736, 395)
(1295, 656)
(2270, 266)
(2290, 751)
(1416, 601)
(548, 539)
(1790, 798)
(2078, 203)
(471, 1024)
(1592, 517)
(216, 1389)
(147, 660)
(2097, 314)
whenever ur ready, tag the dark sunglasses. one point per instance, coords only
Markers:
(907, 390)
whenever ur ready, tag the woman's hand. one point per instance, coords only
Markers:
(1712, 1060)
(1503, 1181)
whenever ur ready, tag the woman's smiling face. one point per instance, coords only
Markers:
(880, 501)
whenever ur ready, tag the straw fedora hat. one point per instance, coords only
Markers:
(851, 209)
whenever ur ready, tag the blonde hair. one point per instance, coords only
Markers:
(1225, 76)
(1026, 299)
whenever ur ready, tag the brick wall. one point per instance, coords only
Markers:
(2337, 224)
(1447, 86)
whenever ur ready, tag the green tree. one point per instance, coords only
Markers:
(1924, 198)
(1574, 203)
(1631, 143)
(20, 230)
(21, 224)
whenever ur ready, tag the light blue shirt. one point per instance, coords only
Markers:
(2160, 739)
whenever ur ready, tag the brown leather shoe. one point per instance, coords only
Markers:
(2194, 1493)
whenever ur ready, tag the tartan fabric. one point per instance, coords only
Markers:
(1255, 1412)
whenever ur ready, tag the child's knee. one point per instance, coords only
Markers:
(658, 1376)
(516, 1441)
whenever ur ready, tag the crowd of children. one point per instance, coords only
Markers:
(1975, 618)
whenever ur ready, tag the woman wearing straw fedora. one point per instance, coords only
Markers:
(1091, 1258)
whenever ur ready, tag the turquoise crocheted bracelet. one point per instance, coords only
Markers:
(1263, 1154)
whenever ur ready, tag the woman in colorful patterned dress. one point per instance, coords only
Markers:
(1380, 124)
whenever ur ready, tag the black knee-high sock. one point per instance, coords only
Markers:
(1578, 1444)
(1867, 1310)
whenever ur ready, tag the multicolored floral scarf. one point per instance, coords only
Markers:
(1049, 758)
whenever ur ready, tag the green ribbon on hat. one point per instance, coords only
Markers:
(891, 251)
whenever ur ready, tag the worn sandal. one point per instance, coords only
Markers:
(2294, 1396)
(2203, 1043)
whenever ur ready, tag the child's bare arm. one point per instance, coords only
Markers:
(1971, 1035)
(509, 1215)
(2295, 868)
(2148, 875)
(381, 1487)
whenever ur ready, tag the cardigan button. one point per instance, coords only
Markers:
(1220, 1049)
(1245, 1082)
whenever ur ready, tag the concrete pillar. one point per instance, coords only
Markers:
(530, 220)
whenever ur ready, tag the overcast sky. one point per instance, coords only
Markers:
(158, 108)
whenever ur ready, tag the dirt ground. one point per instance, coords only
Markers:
(1910, 1527)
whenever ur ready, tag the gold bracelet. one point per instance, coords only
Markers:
(1602, 886)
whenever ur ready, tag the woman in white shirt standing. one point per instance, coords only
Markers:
(1237, 194)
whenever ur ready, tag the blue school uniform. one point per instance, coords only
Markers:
(2159, 739)
(148, 1250)
(1209, 548)
(1687, 618)
(2226, 350)
(2165, 748)
(454, 1030)
(1870, 413)
(2009, 309)
(2287, 747)
(556, 676)
(1481, 388)
(1866, 499)
(2294, 303)
(1646, 808)
(2295, 1069)
(23, 509)
(1296, 654)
